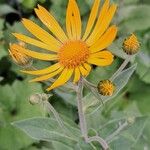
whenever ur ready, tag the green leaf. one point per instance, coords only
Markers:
(3, 52)
(13, 106)
(45, 129)
(69, 97)
(132, 20)
(30, 4)
(60, 146)
(12, 137)
(129, 137)
(6, 9)
(120, 81)
(143, 69)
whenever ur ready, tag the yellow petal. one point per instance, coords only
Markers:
(92, 19)
(41, 34)
(83, 71)
(43, 71)
(102, 55)
(73, 20)
(51, 23)
(103, 26)
(34, 54)
(105, 40)
(68, 23)
(101, 16)
(101, 61)
(34, 42)
(76, 75)
(62, 79)
(48, 76)
(87, 67)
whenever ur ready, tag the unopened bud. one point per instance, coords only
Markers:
(131, 45)
(131, 120)
(38, 98)
(106, 88)
(18, 57)
(35, 99)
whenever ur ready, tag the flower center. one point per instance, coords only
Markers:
(73, 53)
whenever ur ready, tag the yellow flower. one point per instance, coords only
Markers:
(131, 45)
(106, 88)
(72, 52)
(18, 57)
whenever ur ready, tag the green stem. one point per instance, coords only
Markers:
(50, 108)
(82, 120)
(124, 64)
(116, 132)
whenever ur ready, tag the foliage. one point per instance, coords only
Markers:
(129, 108)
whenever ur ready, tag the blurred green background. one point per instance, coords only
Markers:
(134, 99)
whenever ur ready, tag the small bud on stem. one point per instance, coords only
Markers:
(131, 45)
(18, 57)
(106, 88)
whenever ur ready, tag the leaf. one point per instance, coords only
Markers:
(29, 4)
(120, 81)
(143, 69)
(60, 146)
(6, 9)
(45, 129)
(12, 137)
(132, 20)
(69, 97)
(3, 52)
(14, 105)
(81, 145)
(129, 137)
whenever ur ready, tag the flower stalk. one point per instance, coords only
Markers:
(120, 69)
(82, 120)
(50, 108)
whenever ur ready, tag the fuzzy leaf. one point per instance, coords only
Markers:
(45, 129)
(120, 81)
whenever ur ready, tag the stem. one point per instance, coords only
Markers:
(82, 120)
(121, 127)
(89, 83)
(50, 108)
(83, 125)
(100, 140)
(126, 61)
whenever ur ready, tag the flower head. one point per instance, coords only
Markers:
(106, 88)
(131, 45)
(72, 52)
(18, 57)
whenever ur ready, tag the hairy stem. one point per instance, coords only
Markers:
(100, 140)
(83, 125)
(50, 108)
(82, 120)
(124, 64)
(116, 132)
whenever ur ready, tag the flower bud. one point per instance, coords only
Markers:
(18, 57)
(39, 98)
(106, 88)
(131, 120)
(35, 99)
(131, 45)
